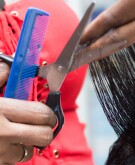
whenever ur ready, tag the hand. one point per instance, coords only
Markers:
(29, 123)
(26, 122)
(115, 26)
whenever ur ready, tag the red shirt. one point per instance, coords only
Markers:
(69, 147)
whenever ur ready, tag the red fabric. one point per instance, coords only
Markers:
(73, 150)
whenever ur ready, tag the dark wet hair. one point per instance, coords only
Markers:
(114, 82)
(121, 153)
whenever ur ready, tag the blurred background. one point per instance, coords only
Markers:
(99, 133)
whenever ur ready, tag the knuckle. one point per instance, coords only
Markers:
(49, 117)
(113, 36)
(109, 18)
(44, 114)
(38, 106)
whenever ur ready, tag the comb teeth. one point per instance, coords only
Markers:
(26, 59)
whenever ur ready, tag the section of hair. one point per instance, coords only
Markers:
(114, 82)
(121, 153)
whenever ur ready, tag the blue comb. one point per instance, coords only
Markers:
(26, 59)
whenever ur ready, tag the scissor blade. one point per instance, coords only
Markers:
(86, 55)
(65, 58)
(56, 72)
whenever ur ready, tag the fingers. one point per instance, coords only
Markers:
(106, 45)
(30, 134)
(27, 112)
(117, 15)
(33, 135)
(11, 153)
(26, 122)
(4, 72)
(113, 41)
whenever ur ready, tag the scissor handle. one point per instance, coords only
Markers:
(53, 101)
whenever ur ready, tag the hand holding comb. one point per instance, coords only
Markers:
(25, 65)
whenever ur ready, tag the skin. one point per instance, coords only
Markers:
(22, 122)
(115, 26)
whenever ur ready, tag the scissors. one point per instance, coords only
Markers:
(56, 72)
